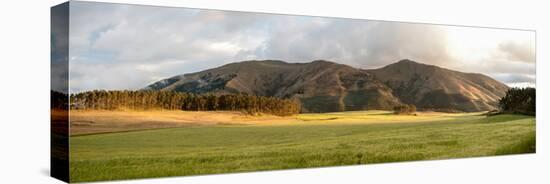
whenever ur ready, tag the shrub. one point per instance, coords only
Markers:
(404, 109)
(519, 100)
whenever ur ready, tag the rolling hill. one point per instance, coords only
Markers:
(324, 86)
(432, 87)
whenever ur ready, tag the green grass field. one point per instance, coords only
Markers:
(331, 139)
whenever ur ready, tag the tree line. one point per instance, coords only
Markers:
(150, 100)
(519, 100)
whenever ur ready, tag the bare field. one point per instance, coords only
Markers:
(97, 121)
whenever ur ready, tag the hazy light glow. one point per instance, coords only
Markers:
(471, 44)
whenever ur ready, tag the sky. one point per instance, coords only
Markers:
(117, 46)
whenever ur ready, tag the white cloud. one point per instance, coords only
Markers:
(115, 46)
(514, 51)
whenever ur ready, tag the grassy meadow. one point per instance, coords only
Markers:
(305, 140)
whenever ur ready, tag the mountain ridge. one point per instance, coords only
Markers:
(325, 86)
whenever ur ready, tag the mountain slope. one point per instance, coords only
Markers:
(432, 87)
(323, 86)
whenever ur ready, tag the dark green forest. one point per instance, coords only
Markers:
(58, 100)
(519, 100)
(150, 100)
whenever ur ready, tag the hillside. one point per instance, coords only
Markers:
(433, 87)
(323, 86)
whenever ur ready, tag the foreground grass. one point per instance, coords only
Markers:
(323, 140)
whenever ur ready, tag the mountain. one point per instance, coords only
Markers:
(323, 86)
(433, 87)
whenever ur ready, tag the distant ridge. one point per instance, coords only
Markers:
(324, 86)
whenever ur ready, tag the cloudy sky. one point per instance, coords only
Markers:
(114, 46)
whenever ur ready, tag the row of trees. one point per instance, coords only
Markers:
(519, 100)
(404, 109)
(148, 100)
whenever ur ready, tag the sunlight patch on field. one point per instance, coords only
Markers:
(385, 117)
(100, 121)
